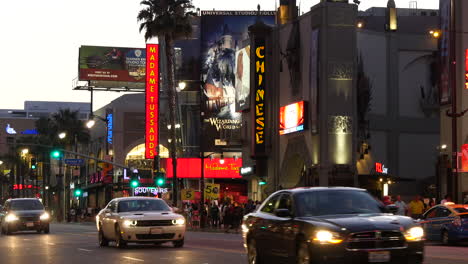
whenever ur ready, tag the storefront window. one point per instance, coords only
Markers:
(138, 152)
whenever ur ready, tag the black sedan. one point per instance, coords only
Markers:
(330, 225)
(24, 214)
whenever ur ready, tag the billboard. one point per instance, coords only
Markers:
(191, 168)
(112, 65)
(292, 118)
(222, 36)
(152, 101)
(445, 18)
(242, 81)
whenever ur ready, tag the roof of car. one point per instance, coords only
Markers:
(136, 198)
(15, 199)
(313, 189)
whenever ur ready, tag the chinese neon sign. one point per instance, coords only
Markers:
(259, 102)
(292, 118)
(466, 69)
(152, 100)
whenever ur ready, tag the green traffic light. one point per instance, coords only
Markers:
(56, 154)
(261, 182)
(160, 182)
(33, 167)
(134, 183)
(77, 192)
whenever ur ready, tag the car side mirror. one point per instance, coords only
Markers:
(283, 213)
(391, 208)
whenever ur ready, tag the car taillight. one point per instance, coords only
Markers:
(457, 221)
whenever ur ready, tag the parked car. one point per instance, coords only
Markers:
(330, 225)
(447, 223)
(24, 214)
(139, 220)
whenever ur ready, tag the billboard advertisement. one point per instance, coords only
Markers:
(292, 118)
(444, 86)
(112, 64)
(214, 168)
(152, 101)
(464, 158)
(242, 81)
(223, 34)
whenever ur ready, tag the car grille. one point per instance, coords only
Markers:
(155, 236)
(376, 239)
(154, 223)
(29, 218)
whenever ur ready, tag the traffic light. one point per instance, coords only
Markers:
(33, 164)
(56, 154)
(160, 179)
(134, 181)
(261, 182)
(78, 192)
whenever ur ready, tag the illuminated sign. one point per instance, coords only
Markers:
(153, 190)
(25, 186)
(464, 158)
(292, 118)
(246, 170)
(259, 101)
(109, 118)
(191, 168)
(152, 100)
(466, 69)
(10, 130)
(380, 168)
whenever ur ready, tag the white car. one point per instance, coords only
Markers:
(139, 220)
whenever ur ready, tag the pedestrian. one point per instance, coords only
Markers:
(214, 212)
(446, 199)
(416, 207)
(432, 203)
(387, 200)
(401, 205)
(228, 217)
(237, 217)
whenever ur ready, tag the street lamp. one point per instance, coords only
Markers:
(182, 85)
(90, 123)
(62, 135)
(1, 162)
(25, 151)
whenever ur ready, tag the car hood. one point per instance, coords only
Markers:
(364, 222)
(28, 212)
(150, 215)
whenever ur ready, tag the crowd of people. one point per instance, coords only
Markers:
(218, 215)
(416, 207)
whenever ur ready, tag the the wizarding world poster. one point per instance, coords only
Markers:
(224, 35)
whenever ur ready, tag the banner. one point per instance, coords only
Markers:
(222, 36)
(242, 82)
(314, 80)
(444, 86)
(111, 64)
(212, 191)
(152, 101)
(191, 168)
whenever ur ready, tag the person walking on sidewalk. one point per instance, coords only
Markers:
(214, 212)
(402, 207)
(416, 207)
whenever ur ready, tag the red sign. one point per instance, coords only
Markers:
(466, 69)
(464, 158)
(21, 186)
(292, 118)
(152, 100)
(380, 168)
(191, 168)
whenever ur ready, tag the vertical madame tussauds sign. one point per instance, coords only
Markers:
(259, 99)
(152, 100)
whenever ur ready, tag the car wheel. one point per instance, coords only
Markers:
(252, 252)
(103, 242)
(119, 241)
(303, 253)
(47, 229)
(446, 239)
(178, 243)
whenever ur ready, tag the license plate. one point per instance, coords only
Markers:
(29, 224)
(379, 256)
(156, 231)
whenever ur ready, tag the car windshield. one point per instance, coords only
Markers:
(142, 205)
(461, 209)
(336, 202)
(20, 205)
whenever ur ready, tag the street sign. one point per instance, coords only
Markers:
(212, 191)
(187, 194)
(74, 162)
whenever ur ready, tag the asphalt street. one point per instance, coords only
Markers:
(73, 243)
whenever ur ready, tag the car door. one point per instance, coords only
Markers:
(285, 233)
(107, 221)
(427, 223)
(443, 219)
(264, 235)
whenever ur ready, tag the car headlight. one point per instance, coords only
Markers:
(129, 223)
(327, 237)
(180, 221)
(245, 228)
(44, 216)
(11, 218)
(414, 234)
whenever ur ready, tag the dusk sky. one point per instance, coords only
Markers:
(40, 41)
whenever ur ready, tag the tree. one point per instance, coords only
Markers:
(169, 20)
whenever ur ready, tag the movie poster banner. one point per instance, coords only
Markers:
(222, 35)
(444, 86)
(112, 64)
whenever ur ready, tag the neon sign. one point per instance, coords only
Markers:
(152, 190)
(10, 130)
(109, 118)
(466, 69)
(259, 102)
(152, 100)
(380, 168)
(292, 118)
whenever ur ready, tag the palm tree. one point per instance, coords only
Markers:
(169, 20)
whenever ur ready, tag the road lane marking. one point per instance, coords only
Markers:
(52, 244)
(446, 257)
(218, 249)
(84, 249)
(135, 259)
(26, 239)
